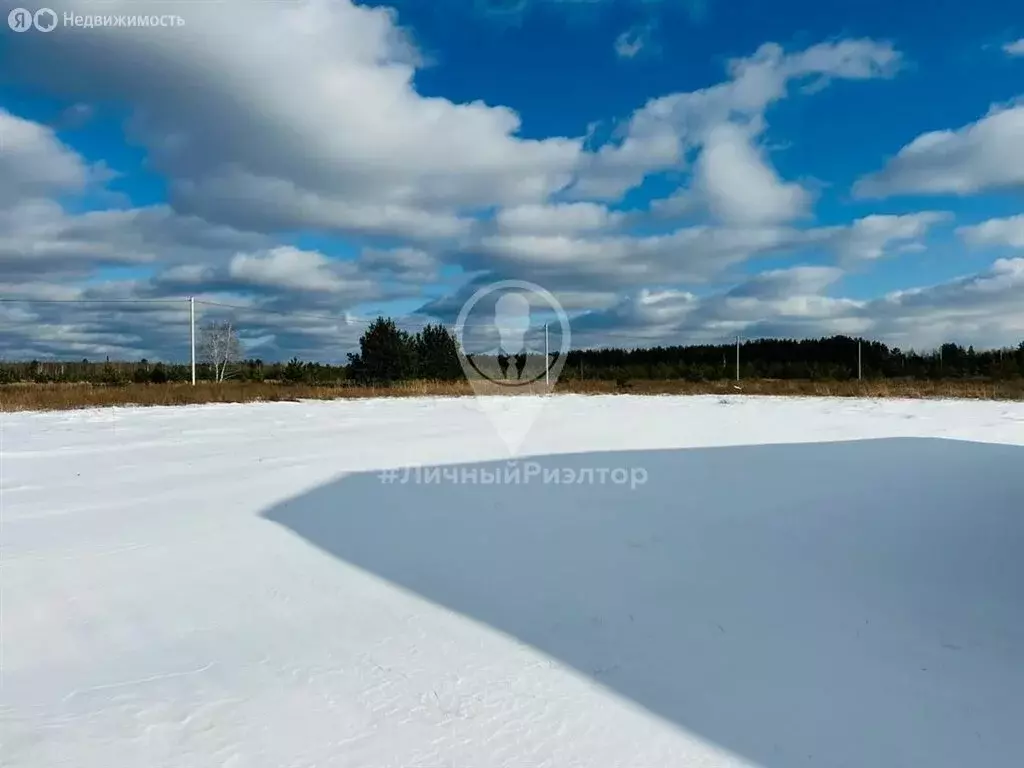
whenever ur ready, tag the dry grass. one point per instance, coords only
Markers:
(976, 390)
(47, 397)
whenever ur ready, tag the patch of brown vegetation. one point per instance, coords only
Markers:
(48, 397)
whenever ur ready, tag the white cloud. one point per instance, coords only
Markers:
(782, 284)
(286, 267)
(983, 309)
(659, 135)
(684, 202)
(790, 300)
(621, 261)
(555, 219)
(578, 249)
(635, 40)
(37, 237)
(1016, 48)
(611, 260)
(269, 205)
(648, 310)
(188, 274)
(984, 155)
(844, 59)
(311, 121)
(34, 163)
(1008, 232)
(315, 100)
(407, 263)
(739, 185)
(869, 238)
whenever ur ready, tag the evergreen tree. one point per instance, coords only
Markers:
(386, 354)
(437, 354)
(294, 372)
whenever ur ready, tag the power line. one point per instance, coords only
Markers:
(93, 301)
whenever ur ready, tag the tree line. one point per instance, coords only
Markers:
(387, 355)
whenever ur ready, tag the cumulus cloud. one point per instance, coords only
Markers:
(37, 237)
(34, 163)
(112, 282)
(311, 123)
(273, 205)
(159, 330)
(982, 156)
(995, 232)
(870, 238)
(284, 301)
(1015, 48)
(982, 309)
(558, 218)
(287, 267)
(779, 284)
(315, 101)
(660, 134)
(611, 261)
(740, 186)
(783, 303)
(412, 264)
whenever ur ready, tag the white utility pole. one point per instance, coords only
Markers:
(547, 359)
(192, 334)
(737, 358)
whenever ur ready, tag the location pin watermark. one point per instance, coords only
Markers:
(513, 339)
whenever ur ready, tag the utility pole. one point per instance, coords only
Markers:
(859, 369)
(737, 358)
(547, 359)
(192, 334)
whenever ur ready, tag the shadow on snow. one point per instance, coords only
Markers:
(855, 604)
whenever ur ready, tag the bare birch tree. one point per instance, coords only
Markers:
(220, 348)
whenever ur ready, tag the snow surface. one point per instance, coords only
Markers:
(798, 583)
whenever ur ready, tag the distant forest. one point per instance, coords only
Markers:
(389, 355)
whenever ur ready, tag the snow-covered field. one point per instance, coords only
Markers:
(797, 583)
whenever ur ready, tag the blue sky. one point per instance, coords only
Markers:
(670, 170)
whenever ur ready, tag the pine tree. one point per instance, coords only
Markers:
(386, 354)
(437, 354)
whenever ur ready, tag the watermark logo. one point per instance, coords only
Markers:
(513, 339)
(22, 20)
(514, 473)
(47, 20)
(19, 20)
